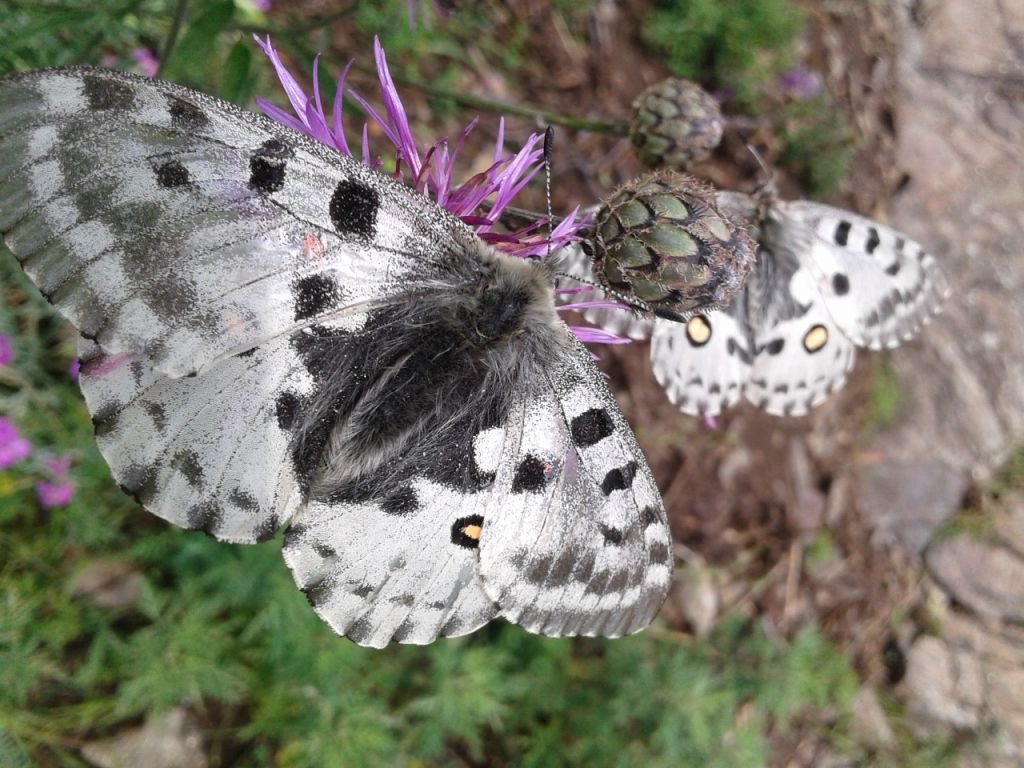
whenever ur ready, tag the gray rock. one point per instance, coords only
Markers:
(944, 689)
(987, 578)
(907, 500)
(171, 740)
(870, 725)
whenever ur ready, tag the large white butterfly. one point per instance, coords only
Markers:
(826, 281)
(276, 335)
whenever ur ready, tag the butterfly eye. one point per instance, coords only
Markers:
(698, 331)
(816, 338)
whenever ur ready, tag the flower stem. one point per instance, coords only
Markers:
(544, 117)
(172, 35)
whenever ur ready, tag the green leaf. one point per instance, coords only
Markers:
(193, 50)
(237, 84)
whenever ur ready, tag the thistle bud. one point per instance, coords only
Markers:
(661, 245)
(675, 123)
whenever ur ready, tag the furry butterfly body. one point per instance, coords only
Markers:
(277, 336)
(826, 281)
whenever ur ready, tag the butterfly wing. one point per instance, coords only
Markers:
(879, 286)
(800, 354)
(274, 336)
(200, 229)
(575, 538)
(703, 364)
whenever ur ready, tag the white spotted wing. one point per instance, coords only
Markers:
(276, 336)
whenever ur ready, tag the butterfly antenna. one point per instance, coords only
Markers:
(766, 189)
(549, 140)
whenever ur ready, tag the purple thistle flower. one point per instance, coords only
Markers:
(431, 172)
(13, 447)
(54, 494)
(6, 349)
(147, 61)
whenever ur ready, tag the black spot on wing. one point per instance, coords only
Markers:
(267, 166)
(873, 240)
(187, 463)
(288, 407)
(775, 346)
(529, 475)
(401, 501)
(157, 414)
(139, 482)
(658, 553)
(244, 500)
(104, 93)
(649, 516)
(315, 294)
(842, 233)
(608, 582)
(171, 174)
(735, 349)
(591, 427)
(613, 536)
(619, 479)
(459, 534)
(319, 592)
(185, 115)
(353, 208)
(840, 284)
(104, 420)
(204, 516)
(893, 269)
(266, 529)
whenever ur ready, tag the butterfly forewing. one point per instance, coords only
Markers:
(192, 223)
(879, 286)
(278, 335)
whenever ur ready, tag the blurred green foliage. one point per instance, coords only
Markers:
(740, 49)
(741, 45)
(222, 630)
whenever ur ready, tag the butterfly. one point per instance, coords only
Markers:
(826, 282)
(277, 336)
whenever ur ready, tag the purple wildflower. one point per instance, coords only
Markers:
(58, 489)
(147, 61)
(13, 447)
(74, 369)
(6, 349)
(54, 494)
(800, 83)
(262, 5)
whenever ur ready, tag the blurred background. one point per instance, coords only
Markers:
(850, 584)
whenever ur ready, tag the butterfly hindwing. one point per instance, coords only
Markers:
(575, 540)
(801, 357)
(704, 363)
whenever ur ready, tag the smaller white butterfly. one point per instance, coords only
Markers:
(826, 281)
